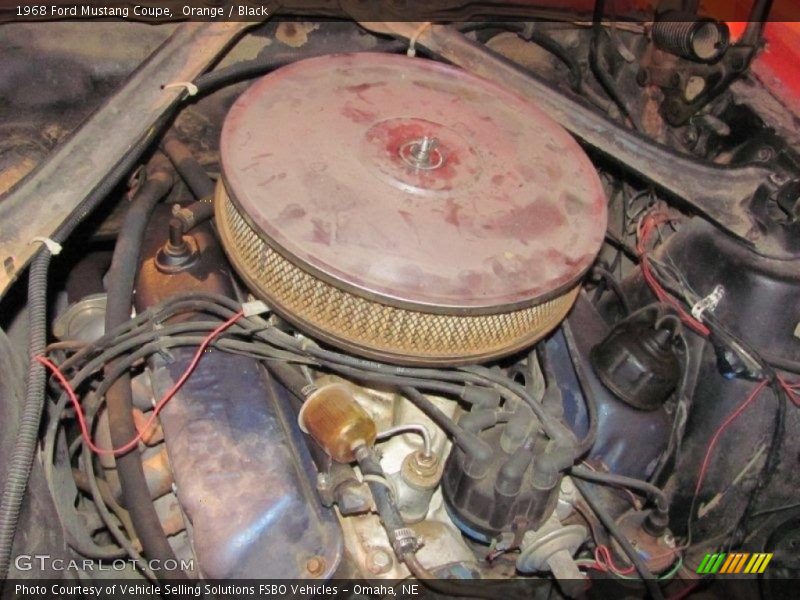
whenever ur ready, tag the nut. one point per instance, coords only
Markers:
(421, 471)
(323, 481)
(315, 566)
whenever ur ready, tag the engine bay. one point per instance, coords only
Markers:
(505, 307)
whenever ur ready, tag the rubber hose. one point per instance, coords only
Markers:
(119, 398)
(290, 377)
(391, 519)
(28, 431)
(540, 39)
(191, 171)
(602, 76)
(257, 67)
(557, 50)
(393, 522)
(200, 184)
(27, 434)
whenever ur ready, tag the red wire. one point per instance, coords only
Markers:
(602, 556)
(161, 403)
(789, 387)
(718, 433)
(644, 230)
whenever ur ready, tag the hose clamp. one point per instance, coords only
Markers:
(405, 540)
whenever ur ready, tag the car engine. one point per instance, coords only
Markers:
(507, 306)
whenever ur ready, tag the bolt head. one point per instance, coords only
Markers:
(379, 561)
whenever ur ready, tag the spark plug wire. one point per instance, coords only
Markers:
(81, 417)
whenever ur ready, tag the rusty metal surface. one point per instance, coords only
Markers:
(60, 184)
(726, 196)
(320, 157)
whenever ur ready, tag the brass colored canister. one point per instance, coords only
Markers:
(338, 423)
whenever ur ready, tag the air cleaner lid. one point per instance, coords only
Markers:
(413, 183)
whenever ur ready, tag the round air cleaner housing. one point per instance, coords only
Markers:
(406, 210)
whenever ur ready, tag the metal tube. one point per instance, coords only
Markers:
(410, 428)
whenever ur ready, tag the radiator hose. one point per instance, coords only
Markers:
(121, 279)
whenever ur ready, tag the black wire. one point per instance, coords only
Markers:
(633, 556)
(213, 80)
(505, 386)
(553, 427)
(105, 515)
(250, 69)
(170, 336)
(775, 509)
(653, 492)
(437, 380)
(30, 422)
(432, 411)
(147, 340)
(188, 302)
(557, 50)
(147, 327)
(615, 287)
(80, 541)
(620, 192)
(740, 347)
(682, 408)
(395, 380)
(465, 440)
(782, 364)
(628, 250)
